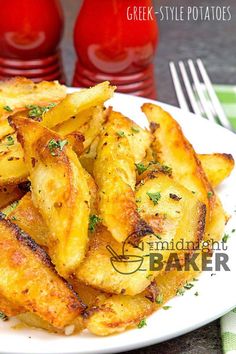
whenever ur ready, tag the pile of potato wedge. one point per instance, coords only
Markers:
(77, 180)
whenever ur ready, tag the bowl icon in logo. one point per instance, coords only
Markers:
(125, 264)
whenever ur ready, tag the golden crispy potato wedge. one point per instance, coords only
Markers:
(29, 219)
(139, 139)
(174, 150)
(29, 280)
(59, 190)
(215, 228)
(77, 102)
(19, 92)
(173, 212)
(87, 158)
(5, 128)
(30, 319)
(114, 173)
(217, 167)
(117, 313)
(12, 166)
(9, 308)
(9, 194)
(116, 275)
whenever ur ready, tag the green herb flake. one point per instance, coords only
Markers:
(196, 293)
(37, 111)
(154, 197)
(159, 299)
(93, 221)
(209, 194)
(53, 145)
(8, 108)
(135, 130)
(166, 169)
(157, 236)
(180, 292)
(141, 168)
(120, 133)
(188, 286)
(225, 238)
(142, 323)
(166, 307)
(3, 317)
(10, 140)
(233, 230)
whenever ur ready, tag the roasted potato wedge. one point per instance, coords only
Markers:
(173, 149)
(5, 128)
(116, 313)
(9, 308)
(9, 194)
(77, 102)
(29, 280)
(114, 173)
(87, 158)
(115, 275)
(215, 228)
(217, 167)
(12, 166)
(59, 190)
(139, 139)
(29, 219)
(32, 320)
(19, 92)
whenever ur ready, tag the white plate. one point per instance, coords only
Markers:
(217, 294)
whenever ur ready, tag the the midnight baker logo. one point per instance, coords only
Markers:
(156, 255)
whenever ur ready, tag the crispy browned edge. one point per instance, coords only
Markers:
(29, 243)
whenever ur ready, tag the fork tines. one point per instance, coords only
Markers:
(200, 92)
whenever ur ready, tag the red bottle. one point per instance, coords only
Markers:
(30, 31)
(115, 40)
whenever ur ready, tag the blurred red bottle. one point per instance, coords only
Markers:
(30, 31)
(116, 40)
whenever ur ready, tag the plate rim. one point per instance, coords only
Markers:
(186, 329)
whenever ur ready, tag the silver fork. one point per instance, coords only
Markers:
(209, 107)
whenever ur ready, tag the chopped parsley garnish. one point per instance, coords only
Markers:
(159, 299)
(166, 307)
(188, 286)
(3, 317)
(141, 168)
(93, 221)
(209, 194)
(196, 293)
(8, 108)
(195, 279)
(225, 238)
(37, 111)
(233, 230)
(10, 140)
(154, 197)
(142, 323)
(135, 130)
(120, 133)
(166, 169)
(180, 292)
(53, 145)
